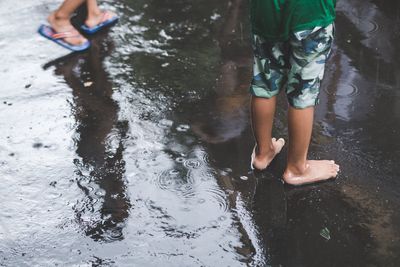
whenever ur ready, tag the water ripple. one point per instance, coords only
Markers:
(369, 27)
(178, 181)
(345, 90)
(219, 197)
(180, 159)
(203, 156)
(192, 164)
(183, 128)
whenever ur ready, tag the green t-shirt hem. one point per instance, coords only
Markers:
(313, 24)
(300, 27)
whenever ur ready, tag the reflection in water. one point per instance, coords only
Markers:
(223, 116)
(269, 211)
(99, 140)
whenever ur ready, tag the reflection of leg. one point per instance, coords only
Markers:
(263, 111)
(299, 170)
(95, 14)
(60, 21)
(270, 215)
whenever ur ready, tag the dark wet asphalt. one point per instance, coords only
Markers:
(136, 153)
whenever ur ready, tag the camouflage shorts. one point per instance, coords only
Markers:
(298, 63)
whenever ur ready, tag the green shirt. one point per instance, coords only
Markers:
(276, 19)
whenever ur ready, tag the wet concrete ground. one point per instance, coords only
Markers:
(136, 153)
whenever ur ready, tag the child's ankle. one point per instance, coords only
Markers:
(94, 14)
(265, 151)
(60, 15)
(296, 168)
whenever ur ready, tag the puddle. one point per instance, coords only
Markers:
(137, 152)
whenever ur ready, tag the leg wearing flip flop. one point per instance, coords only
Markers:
(60, 20)
(94, 11)
(95, 14)
(263, 112)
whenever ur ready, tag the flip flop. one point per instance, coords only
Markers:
(104, 23)
(58, 37)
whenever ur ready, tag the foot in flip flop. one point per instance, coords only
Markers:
(95, 23)
(260, 161)
(63, 33)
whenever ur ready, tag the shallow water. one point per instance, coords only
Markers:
(136, 153)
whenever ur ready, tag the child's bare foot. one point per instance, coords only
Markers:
(260, 161)
(95, 18)
(62, 24)
(314, 171)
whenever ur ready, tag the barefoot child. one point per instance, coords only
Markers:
(292, 41)
(63, 33)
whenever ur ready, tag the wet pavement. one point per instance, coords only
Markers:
(136, 153)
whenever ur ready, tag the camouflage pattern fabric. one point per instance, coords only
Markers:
(297, 65)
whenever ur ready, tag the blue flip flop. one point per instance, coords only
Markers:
(101, 25)
(58, 37)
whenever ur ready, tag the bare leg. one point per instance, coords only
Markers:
(60, 20)
(299, 170)
(263, 112)
(95, 14)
